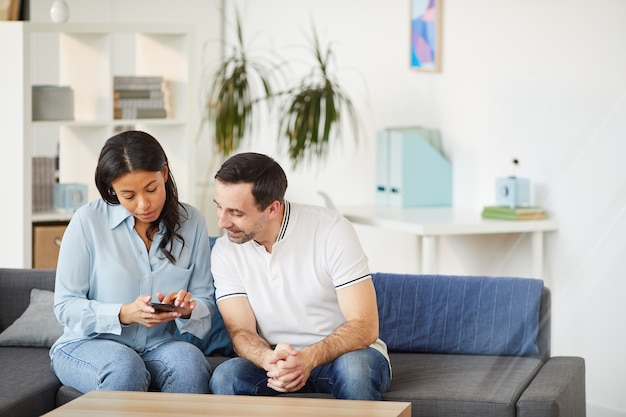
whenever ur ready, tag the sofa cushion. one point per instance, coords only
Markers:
(460, 385)
(28, 386)
(458, 314)
(37, 326)
(17, 285)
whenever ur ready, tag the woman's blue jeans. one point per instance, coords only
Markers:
(107, 365)
(360, 375)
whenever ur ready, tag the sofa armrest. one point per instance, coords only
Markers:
(558, 390)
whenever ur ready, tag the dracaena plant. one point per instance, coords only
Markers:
(234, 93)
(310, 113)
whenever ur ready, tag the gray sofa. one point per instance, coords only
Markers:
(453, 343)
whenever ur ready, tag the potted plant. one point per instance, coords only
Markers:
(233, 95)
(310, 113)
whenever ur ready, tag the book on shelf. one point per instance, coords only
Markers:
(44, 177)
(514, 213)
(138, 113)
(137, 82)
(138, 103)
(145, 93)
(140, 97)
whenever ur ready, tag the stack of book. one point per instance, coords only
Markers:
(516, 213)
(44, 177)
(140, 97)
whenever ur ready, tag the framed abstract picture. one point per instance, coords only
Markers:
(426, 35)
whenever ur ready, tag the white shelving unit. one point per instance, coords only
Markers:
(84, 57)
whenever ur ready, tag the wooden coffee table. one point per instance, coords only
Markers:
(154, 404)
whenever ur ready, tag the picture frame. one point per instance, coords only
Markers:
(426, 23)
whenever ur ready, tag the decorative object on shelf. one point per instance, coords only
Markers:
(10, 9)
(516, 213)
(411, 169)
(513, 191)
(51, 102)
(426, 34)
(310, 114)
(69, 196)
(59, 11)
(140, 97)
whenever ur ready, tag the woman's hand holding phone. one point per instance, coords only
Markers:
(142, 311)
(181, 300)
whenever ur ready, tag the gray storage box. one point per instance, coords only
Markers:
(51, 102)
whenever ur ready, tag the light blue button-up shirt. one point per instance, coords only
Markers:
(103, 263)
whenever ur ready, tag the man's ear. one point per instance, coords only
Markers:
(274, 209)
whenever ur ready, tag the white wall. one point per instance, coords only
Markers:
(543, 81)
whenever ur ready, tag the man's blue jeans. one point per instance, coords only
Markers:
(104, 364)
(360, 375)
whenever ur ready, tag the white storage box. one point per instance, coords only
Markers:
(51, 102)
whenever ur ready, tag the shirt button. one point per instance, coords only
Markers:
(154, 258)
(146, 276)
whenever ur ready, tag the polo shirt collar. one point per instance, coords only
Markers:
(286, 217)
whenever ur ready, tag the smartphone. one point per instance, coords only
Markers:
(163, 308)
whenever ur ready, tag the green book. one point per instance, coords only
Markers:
(515, 210)
(517, 213)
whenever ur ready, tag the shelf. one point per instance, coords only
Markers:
(104, 123)
(52, 216)
(86, 57)
(431, 223)
(107, 28)
(440, 221)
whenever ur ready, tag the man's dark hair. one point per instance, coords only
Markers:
(267, 176)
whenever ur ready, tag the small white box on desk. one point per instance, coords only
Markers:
(513, 192)
(410, 171)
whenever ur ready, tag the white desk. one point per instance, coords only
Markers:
(428, 223)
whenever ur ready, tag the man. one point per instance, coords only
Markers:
(293, 286)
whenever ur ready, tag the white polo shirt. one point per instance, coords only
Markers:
(292, 290)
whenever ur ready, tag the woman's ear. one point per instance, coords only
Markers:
(166, 173)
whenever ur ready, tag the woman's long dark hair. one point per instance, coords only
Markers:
(134, 150)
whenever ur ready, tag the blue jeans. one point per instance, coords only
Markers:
(107, 365)
(360, 375)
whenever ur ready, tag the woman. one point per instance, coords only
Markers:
(136, 245)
